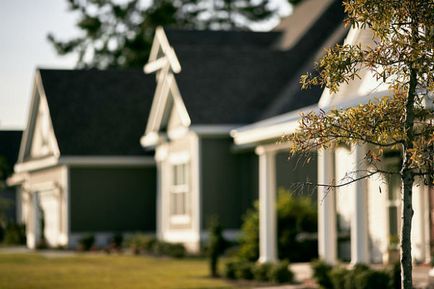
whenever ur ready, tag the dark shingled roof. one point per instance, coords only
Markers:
(10, 145)
(98, 112)
(235, 38)
(226, 79)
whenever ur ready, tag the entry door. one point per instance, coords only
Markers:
(50, 209)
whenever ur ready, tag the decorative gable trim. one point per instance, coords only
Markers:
(161, 54)
(38, 102)
(164, 63)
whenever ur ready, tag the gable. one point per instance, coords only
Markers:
(39, 140)
(43, 142)
(359, 90)
(168, 111)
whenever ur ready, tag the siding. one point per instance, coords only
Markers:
(229, 182)
(292, 173)
(112, 199)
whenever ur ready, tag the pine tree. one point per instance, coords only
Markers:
(120, 35)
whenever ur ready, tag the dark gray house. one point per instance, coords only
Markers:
(81, 167)
(209, 83)
(9, 146)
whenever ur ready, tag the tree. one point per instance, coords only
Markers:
(120, 35)
(402, 58)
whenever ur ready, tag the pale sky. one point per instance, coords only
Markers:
(24, 25)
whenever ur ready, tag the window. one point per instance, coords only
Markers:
(393, 200)
(179, 191)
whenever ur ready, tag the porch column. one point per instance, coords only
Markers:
(359, 220)
(267, 206)
(327, 242)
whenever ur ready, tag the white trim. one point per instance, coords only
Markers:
(179, 158)
(66, 204)
(17, 179)
(281, 125)
(83, 161)
(177, 133)
(161, 38)
(36, 164)
(38, 98)
(213, 130)
(179, 103)
(156, 65)
(150, 139)
(180, 219)
(107, 161)
(43, 186)
(166, 88)
(196, 170)
(183, 236)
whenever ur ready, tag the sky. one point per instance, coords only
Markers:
(24, 25)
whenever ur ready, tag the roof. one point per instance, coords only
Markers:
(98, 112)
(239, 77)
(10, 145)
(222, 38)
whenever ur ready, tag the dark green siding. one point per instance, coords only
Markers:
(229, 182)
(292, 173)
(112, 199)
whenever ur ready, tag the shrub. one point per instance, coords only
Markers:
(395, 276)
(117, 241)
(216, 245)
(86, 242)
(140, 243)
(338, 276)
(244, 270)
(230, 269)
(280, 273)
(371, 279)
(261, 271)
(161, 248)
(297, 218)
(350, 277)
(321, 273)
(15, 234)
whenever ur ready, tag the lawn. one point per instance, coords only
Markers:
(99, 271)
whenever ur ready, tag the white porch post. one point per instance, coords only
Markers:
(327, 242)
(267, 206)
(359, 220)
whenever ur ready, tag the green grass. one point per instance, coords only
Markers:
(98, 271)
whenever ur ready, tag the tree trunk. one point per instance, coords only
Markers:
(407, 215)
(407, 186)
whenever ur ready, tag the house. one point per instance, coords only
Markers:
(208, 83)
(81, 169)
(356, 223)
(9, 146)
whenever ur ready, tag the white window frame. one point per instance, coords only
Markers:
(180, 159)
(391, 163)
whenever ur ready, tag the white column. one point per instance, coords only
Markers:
(162, 215)
(326, 208)
(359, 220)
(267, 206)
(159, 203)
